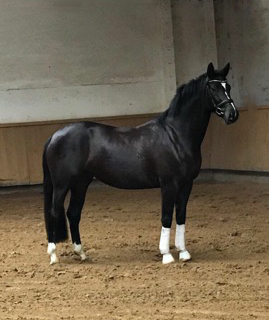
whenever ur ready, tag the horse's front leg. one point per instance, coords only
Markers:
(181, 205)
(169, 193)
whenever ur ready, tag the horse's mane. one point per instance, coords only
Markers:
(185, 93)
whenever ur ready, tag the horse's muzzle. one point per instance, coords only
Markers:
(230, 114)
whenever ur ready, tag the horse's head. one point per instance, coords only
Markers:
(219, 94)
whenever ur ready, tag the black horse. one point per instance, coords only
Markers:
(163, 153)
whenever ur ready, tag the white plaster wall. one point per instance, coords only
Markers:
(65, 59)
(242, 29)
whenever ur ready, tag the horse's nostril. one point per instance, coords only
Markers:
(231, 117)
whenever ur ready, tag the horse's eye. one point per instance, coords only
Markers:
(213, 88)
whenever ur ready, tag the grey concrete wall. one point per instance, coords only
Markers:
(225, 31)
(194, 37)
(242, 30)
(64, 59)
(67, 59)
(195, 47)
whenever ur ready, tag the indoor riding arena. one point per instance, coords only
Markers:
(115, 102)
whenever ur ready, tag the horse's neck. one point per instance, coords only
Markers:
(191, 122)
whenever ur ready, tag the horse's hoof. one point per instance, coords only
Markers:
(79, 251)
(53, 259)
(83, 257)
(168, 258)
(184, 256)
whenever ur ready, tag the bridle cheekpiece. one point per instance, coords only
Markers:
(218, 106)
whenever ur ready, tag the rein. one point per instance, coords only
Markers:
(218, 106)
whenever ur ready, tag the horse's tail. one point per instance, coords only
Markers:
(56, 226)
(48, 194)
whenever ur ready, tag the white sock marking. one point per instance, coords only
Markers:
(51, 247)
(164, 246)
(52, 252)
(180, 243)
(78, 250)
(164, 240)
(180, 237)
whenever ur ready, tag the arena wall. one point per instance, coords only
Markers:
(242, 34)
(119, 62)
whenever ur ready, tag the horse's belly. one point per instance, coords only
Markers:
(124, 176)
(126, 182)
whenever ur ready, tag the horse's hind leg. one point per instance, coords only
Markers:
(181, 204)
(78, 194)
(58, 227)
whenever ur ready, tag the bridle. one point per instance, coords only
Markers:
(218, 106)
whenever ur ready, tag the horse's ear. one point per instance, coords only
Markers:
(210, 71)
(225, 70)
